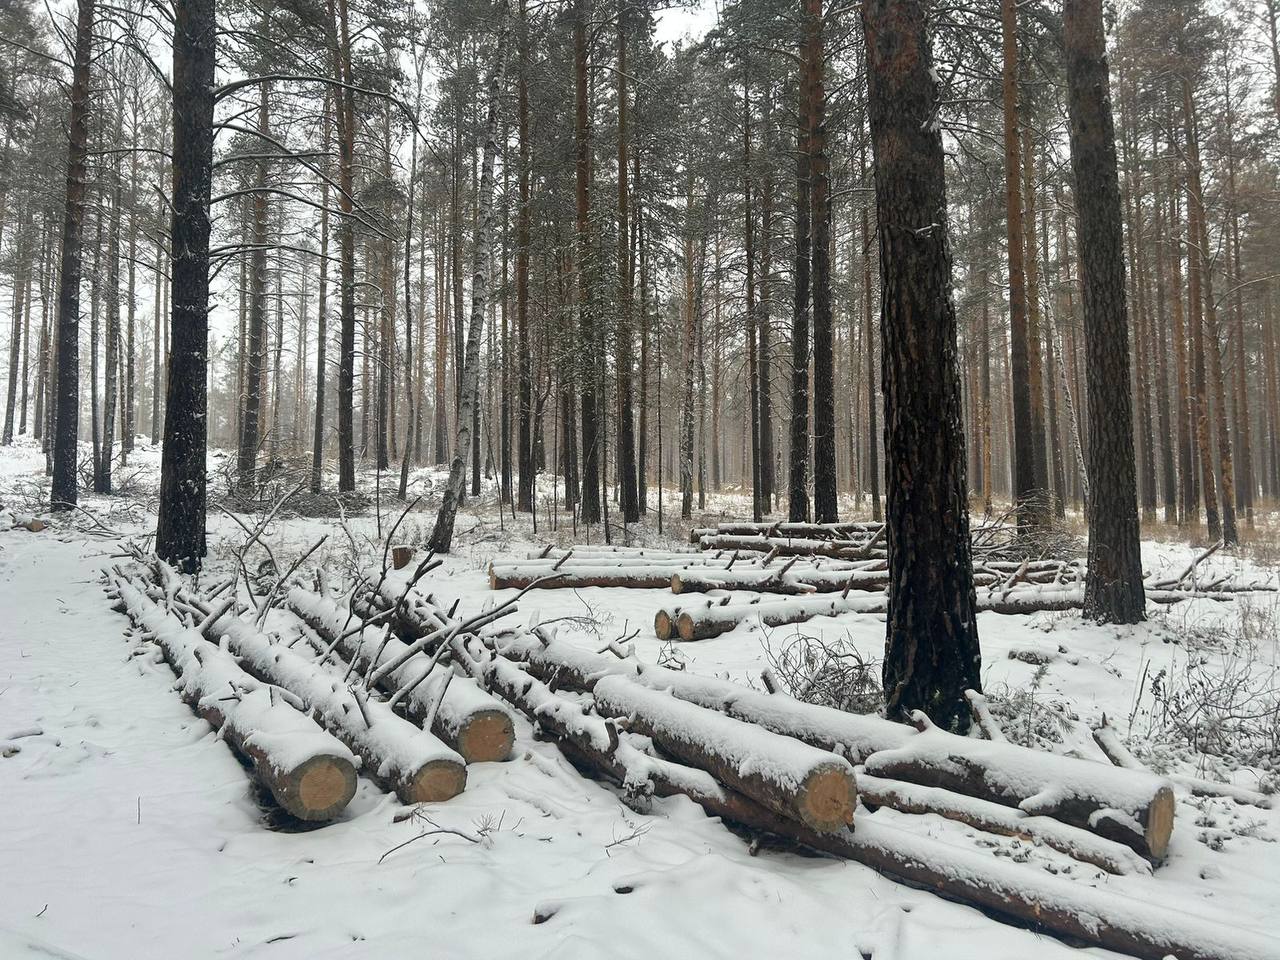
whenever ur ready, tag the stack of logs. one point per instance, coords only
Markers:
(814, 776)
(820, 570)
(305, 723)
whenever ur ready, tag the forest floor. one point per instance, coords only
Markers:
(128, 831)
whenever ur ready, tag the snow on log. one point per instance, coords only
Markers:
(710, 618)
(399, 756)
(1131, 807)
(860, 549)
(798, 580)
(997, 818)
(1140, 922)
(466, 717)
(812, 531)
(789, 777)
(506, 576)
(308, 771)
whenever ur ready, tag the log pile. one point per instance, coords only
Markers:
(308, 772)
(755, 759)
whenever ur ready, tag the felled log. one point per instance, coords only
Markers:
(784, 528)
(796, 546)
(506, 576)
(999, 819)
(467, 718)
(1109, 742)
(704, 619)
(782, 774)
(1135, 808)
(798, 580)
(307, 771)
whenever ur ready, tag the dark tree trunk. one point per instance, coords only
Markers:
(825, 508)
(180, 534)
(63, 492)
(628, 493)
(1113, 588)
(798, 493)
(931, 643)
(590, 489)
(345, 101)
(524, 453)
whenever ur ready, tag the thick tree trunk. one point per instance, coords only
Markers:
(64, 491)
(524, 442)
(628, 494)
(322, 309)
(180, 534)
(1113, 589)
(931, 645)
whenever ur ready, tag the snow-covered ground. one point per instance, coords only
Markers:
(128, 831)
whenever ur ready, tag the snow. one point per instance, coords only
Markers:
(129, 831)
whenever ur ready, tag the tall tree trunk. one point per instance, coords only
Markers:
(255, 349)
(442, 535)
(1113, 587)
(868, 332)
(798, 474)
(340, 41)
(931, 644)
(825, 506)
(591, 410)
(628, 493)
(322, 305)
(753, 373)
(1027, 494)
(63, 492)
(524, 455)
(180, 533)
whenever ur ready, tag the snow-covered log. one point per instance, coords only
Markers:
(465, 716)
(996, 818)
(789, 777)
(520, 576)
(308, 771)
(854, 549)
(1148, 927)
(1131, 807)
(703, 619)
(784, 528)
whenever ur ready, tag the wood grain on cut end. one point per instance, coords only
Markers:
(662, 625)
(685, 627)
(827, 799)
(318, 789)
(1159, 825)
(436, 781)
(487, 737)
(677, 584)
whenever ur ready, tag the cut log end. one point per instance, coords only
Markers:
(487, 737)
(677, 585)
(1159, 825)
(686, 629)
(662, 624)
(400, 556)
(436, 781)
(827, 799)
(317, 789)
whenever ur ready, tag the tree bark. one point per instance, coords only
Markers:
(63, 492)
(931, 644)
(180, 534)
(1113, 588)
